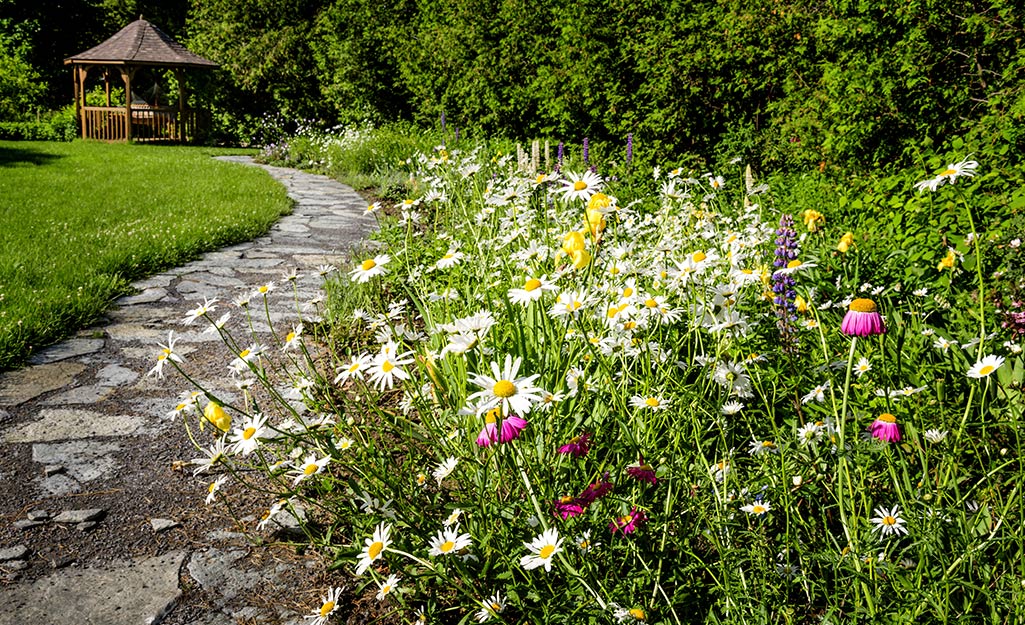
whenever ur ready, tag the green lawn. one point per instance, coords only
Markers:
(79, 221)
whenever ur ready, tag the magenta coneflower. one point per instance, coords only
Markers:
(642, 471)
(511, 428)
(500, 432)
(885, 428)
(595, 491)
(568, 507)
(862, 319)
(489, 433)
(628, 523)
(577, 446)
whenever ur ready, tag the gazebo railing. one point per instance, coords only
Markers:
(149, 123)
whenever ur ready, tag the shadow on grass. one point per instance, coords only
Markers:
(19, 156)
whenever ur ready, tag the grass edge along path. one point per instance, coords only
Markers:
(79, 221)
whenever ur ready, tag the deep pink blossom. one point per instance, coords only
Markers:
(511, 428)
(595, 491)
(642, 471)
(568, 506)
(577, 446)
(628, 523)
(862, 319)
(885, 428)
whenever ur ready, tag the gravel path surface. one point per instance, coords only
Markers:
(101, 524)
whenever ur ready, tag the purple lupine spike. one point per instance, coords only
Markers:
(629, 148)
(587, 152)
(783, 283)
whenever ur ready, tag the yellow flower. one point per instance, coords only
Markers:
(217, 416)
(846, 242)
(580, 258)
(572, 241)
(948, 260)
(595, 222)
(801, 304)
(813, 219)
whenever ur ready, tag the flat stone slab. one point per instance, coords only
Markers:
(18, 387)
(17, 552)
(80, 516)
(149, 296)
(124, 593)
(68, 349)
(58, 424)
(215, 570)
(83, 460)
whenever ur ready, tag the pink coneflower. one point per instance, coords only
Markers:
(628, 523)
(511, 428)
(885, 428)
(577, 446)
(862, 319)
(500, 432)
(642, 471)
(568, 507)
(489, 433)
(595, 491)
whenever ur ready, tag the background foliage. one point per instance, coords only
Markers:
(789, 83)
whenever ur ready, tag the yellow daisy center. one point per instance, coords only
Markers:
(637, 613)
(290, 337)
(212, 487)
(768, 444)
(248, 433)
(948, 172)
(375, 550)
(652, 401)
(354, 367)
(446, 546)
(310, 469)
(504, 388)
(263, 288)
(988, 369)
(863, 304)
(540, 178)
(327, 608)
(368, 264)
(887, 418)
(698, 257)
(889, 520)
(242, 354)
(532, 284)
(579, 185)
(651, 302)
(547, 551)
(758, 509)
(628, 292)
(386, 366)
(496, 606)
(794, 264)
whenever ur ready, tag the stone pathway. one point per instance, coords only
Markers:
(100, 523)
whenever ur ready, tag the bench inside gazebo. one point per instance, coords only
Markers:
(137, 50)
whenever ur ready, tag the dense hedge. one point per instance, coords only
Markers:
(793, 82)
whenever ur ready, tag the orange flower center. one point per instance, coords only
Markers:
(863, 305)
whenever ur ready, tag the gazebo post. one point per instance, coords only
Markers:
(126, 75)
(78, 107)
(179, 75)
(106, 84)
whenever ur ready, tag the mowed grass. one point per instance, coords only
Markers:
(79, 221)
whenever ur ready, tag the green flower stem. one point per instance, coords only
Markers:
(978, 273)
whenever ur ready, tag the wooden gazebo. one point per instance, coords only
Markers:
(140, 45)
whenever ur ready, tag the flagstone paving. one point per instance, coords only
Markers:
(101, 524)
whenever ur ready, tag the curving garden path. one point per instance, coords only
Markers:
(99, 523)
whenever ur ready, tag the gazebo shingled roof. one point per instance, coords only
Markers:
(136, 46)
(141, 43)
